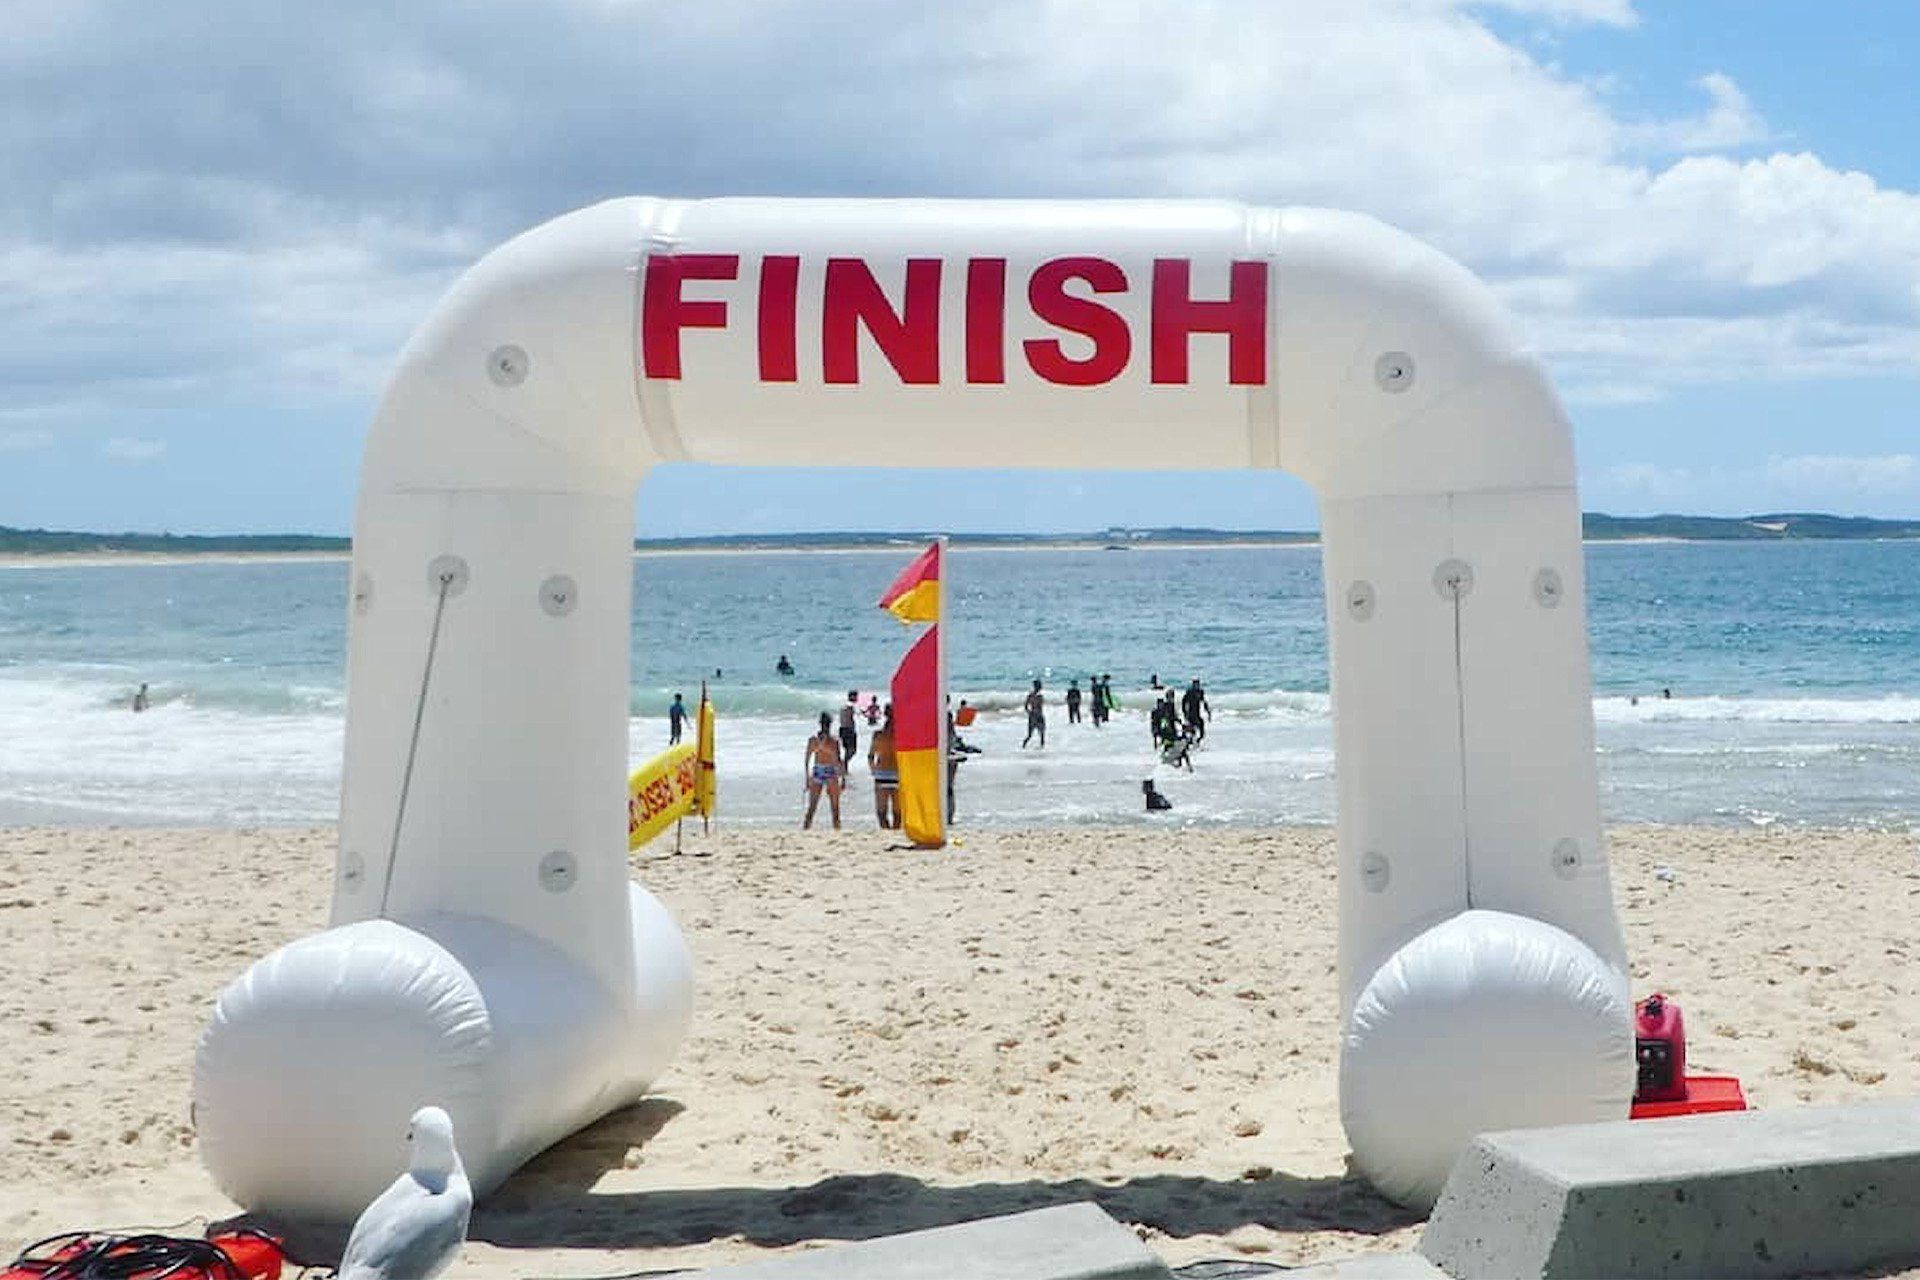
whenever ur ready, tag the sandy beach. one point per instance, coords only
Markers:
(889, 1040)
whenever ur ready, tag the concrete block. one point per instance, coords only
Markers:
(1067, 1242)
(1755, 1193)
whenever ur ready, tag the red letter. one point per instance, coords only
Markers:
(664, 313)
(910, 340)
(1107, 328)
(779, 287)
(1242, 317)
(986, 320)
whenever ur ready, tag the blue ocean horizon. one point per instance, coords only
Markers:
(1735, 683)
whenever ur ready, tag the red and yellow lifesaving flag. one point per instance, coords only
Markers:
(920, 742)
(915, 594)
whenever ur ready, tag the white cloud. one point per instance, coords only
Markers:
(131, 450)
(1729, 121)
(203, 205)
(1610, 393)
(1650, 481)
(1606, 13)
(1846, 483)
(1874, 476)
(25, 441)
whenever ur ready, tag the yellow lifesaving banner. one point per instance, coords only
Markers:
(661, 791)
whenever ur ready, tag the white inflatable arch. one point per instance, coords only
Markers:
(489, 951)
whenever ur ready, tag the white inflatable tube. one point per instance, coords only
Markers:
(487, 669)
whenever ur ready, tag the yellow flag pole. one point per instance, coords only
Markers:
(945, 623)
(704, 739)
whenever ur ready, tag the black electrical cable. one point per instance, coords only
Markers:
(149, 1257)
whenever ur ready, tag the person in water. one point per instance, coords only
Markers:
(783, 667)
(873, 710)
(1073, 702)
(1163, 723)
(884, 763)
(850, 726)
(957, 752)
(140, 700)
(1172, 742)
(1193, 705)
(676, 716)
(1036, 716)
(825, 772)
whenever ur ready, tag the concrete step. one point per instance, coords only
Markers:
(1754, 1193)
(1066, 1242)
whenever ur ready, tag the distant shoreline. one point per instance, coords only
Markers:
(27, 548)
(109, 559)
(105, 558)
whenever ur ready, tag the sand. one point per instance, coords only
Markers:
(890, 1040)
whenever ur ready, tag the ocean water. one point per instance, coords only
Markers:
(1794, 670)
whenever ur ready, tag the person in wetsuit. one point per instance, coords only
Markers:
(849, 725)
(1073, 702)
(1193, 705)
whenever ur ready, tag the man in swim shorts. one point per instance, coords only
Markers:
(884, 764)
(1036, 716)
(676, 718)
(824, 772)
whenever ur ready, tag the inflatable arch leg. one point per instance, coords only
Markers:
(487, 950)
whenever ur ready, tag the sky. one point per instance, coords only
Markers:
(221, 218)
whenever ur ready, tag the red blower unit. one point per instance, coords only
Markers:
(1660, 1049)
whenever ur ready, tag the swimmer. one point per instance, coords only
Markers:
(1036, 716)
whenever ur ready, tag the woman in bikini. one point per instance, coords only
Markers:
(824, 771)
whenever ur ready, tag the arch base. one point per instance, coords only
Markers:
(315, 1057)
(1486, 1021)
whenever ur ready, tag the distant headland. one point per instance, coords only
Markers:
(1786, 526)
